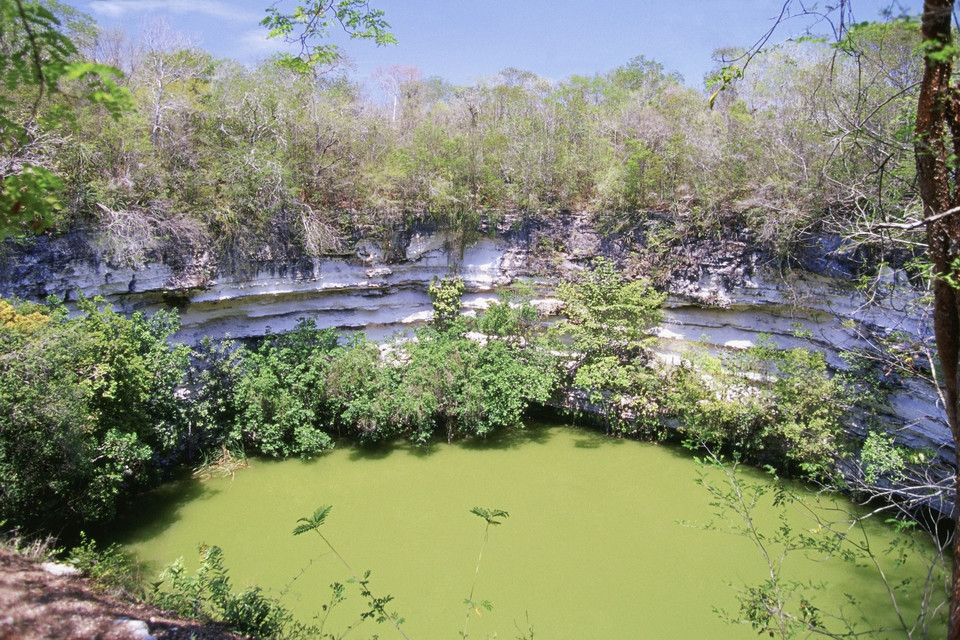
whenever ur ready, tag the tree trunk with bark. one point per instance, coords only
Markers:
(938, 177)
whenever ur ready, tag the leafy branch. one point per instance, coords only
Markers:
(308, 24)
(37, 56)
(735, 68)
(377, 605)
(492, 517)
(784, 608)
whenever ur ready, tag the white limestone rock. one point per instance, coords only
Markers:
(57, 569)
(134, 629)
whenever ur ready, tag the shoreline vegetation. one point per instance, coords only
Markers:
(212, 155)
(103, 407)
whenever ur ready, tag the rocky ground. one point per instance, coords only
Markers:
(37, 604)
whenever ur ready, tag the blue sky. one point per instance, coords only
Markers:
(463, 41)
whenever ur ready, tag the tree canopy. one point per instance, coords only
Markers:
(39, 62)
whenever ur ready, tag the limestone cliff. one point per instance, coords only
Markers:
(725, 292)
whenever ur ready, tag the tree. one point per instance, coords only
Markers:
(609, 321)
(608, 316)
(172, 73)
(938, 178)
(90, 411)
(936, 147)
(403, 84)
(38, 60)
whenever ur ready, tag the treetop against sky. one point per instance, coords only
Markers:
(463, 42)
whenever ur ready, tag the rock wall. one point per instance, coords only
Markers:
(724, 292)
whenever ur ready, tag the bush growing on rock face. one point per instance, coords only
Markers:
(474, 388)
(299, 391)
(443, 380)
(608, 321)
(510, 317)
(359, 392)
(281, 394)
(445, 295)
(769, 406)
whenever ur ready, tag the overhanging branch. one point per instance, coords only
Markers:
(909, 226)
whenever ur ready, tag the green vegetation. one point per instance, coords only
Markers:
(445, 295)
(90, 412)
(780, 607)
(608, 320)
(45, 79)
(309, 25)
(292, 154)
(490, 516)
(209, 595)
(101, 406)
(768, 406)
(110, 567)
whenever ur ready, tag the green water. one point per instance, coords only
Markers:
(593, 548)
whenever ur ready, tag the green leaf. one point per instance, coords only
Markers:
(489, 514)
(314, 522)
(725, 77)
(309, 24)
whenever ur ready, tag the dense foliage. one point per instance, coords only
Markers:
(99, 406)
(768, 406)
(608, 323)
(89, 411)
(215, 153)
(40, 59)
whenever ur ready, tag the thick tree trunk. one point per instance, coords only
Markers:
(937, 139)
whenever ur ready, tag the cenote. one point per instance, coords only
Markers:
(599, 543)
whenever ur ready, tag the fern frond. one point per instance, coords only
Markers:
(314, 522)
(489, 515)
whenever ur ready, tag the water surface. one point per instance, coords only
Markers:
(596, 545)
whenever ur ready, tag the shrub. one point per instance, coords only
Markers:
(608, 321)
(208, 595)
(769, 406)
(281, 393)
(110, 567)
(90, 413)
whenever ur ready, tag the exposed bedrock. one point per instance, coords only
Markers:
(725, 292)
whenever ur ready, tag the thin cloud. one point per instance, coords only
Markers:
(214, 8)
(255, 41)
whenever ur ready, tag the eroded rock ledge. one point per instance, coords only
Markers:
(725, 292)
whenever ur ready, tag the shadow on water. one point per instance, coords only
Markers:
(590, 439)
(504, 439)
(382, 450)
(507, 439)
(376, 451)
(156, 511)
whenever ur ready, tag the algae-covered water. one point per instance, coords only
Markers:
(598, 543)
